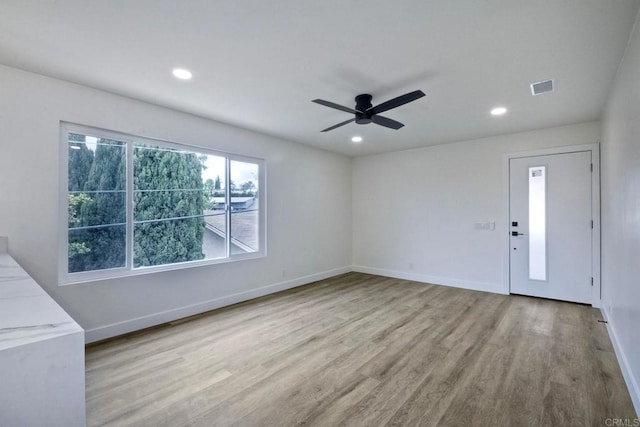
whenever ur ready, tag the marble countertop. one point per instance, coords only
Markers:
(27, 313)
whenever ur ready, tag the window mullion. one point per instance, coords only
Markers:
(227, 202)
(130, 205)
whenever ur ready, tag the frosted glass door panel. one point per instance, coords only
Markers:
(537, 223)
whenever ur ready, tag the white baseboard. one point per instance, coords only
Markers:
(495, 288)
(115, 329)
(632, 384)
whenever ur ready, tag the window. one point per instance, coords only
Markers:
(132, 205)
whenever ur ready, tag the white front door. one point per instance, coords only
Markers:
(550, 226)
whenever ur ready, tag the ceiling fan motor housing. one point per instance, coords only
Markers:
(363, 103)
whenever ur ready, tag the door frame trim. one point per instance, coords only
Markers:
(594, 148)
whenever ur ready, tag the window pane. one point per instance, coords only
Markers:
(168, 241)
(97, 248)
(537, 223)
(214, 244)
(214, 241)
(91, 208)
(174, 191)
(244, 207)
(96, 203)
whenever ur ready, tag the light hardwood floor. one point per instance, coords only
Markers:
(364, 350)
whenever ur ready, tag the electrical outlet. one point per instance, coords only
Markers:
(284, 273)
(410, 266)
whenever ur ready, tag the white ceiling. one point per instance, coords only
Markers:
(258, 64)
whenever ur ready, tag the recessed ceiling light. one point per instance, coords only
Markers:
(182, 74)
(356, 139)
(498, 111)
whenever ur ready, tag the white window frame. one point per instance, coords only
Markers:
(66, 278)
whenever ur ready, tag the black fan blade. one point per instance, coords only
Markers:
(386, 122)
(339, 124)
(396, 102)
(336, 106)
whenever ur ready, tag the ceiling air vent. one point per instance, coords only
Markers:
(541, 87)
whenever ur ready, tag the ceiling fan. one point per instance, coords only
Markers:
(365, 112)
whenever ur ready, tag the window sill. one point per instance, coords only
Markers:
(120, 273)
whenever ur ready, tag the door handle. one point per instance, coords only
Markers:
(515, 233)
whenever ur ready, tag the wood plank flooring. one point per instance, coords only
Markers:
(363, 350)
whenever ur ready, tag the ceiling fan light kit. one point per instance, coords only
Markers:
(365, 113)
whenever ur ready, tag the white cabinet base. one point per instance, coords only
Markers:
(41, 355)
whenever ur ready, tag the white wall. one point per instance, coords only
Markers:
(308, 205)
(414, 211)
(621, 214)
